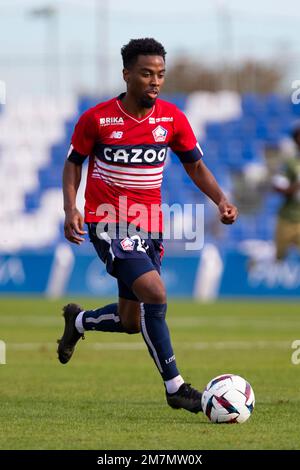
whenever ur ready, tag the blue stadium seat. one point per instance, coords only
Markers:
(252, 105)
(51, 177)
(69, 129)
(59, 153)
(32, 201)
(86, 102)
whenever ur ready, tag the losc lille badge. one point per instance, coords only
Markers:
(127, 244)
(159, 134)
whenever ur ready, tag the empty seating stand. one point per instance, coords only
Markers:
(233, 132)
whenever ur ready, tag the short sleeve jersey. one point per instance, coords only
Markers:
(127, 157)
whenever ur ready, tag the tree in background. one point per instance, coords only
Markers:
(186, 76)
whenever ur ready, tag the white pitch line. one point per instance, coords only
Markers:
(228, 322)
(218, 345)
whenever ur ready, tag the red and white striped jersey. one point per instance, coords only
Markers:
(127, 156)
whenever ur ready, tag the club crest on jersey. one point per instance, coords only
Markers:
(127, 244)
(111, 121)
(159, 134)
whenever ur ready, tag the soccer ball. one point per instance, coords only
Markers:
(228, 398)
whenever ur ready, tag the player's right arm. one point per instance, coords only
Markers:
(73, 226)
(83, 141)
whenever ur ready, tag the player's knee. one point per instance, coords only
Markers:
(150, 289)
(157, 295)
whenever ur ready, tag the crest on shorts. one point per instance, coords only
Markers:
(127, 244)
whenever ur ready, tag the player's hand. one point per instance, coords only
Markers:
(74, 226)
(228, 212)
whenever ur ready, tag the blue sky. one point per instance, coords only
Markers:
(207, 30)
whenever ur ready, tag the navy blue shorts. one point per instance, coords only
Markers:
(128, 258)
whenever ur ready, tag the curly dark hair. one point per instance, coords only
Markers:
(144, 46)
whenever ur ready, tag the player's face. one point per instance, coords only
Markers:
(145, 78)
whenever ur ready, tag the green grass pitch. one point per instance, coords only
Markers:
(110, 395)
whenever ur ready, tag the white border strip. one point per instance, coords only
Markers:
(137, 346)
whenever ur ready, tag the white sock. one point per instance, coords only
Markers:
(78, 323)
(173, 385)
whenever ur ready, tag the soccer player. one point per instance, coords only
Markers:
(126, 139)
(287, 183)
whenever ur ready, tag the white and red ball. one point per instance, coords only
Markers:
(228, 398)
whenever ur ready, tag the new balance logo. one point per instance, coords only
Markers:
(111, 121)
(116, 135)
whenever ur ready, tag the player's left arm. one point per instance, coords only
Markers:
(204, 180)
(186, 147)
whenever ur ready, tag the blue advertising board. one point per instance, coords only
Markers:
(240, 276)
(25, 273)
(89, 277)
(249, 277)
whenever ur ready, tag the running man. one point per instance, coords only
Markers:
(126, 140)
